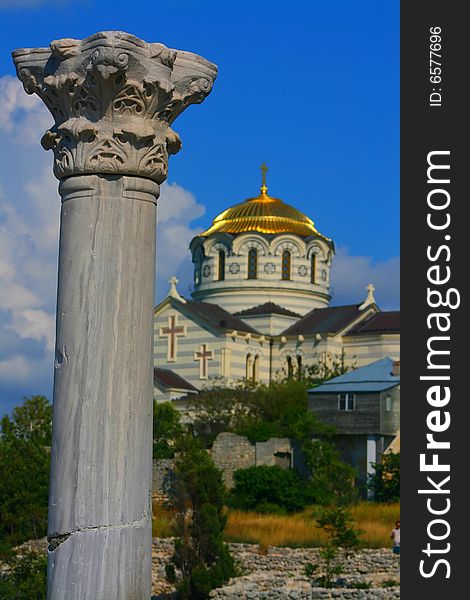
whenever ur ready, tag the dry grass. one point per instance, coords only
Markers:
(298, 530)
(273, 530)
(163, 521)
(376, 520)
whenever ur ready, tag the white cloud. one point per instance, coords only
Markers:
(177, 208)
(25, 118)
(15, 369)
(35, 324)
(351, 274)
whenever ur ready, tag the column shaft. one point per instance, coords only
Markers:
(100, 492)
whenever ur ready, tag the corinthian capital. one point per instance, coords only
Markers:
(113, 98)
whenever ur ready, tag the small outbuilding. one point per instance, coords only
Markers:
(364, 407)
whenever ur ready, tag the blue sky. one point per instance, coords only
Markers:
(310, 87)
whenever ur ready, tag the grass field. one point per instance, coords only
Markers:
(298, 530)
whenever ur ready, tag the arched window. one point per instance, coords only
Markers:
(255, 369)
(221, 269)
(197, 274)
(252, 263)
(249, 367)
(313, 268)
(290, 367)
(286, 264)
(299, 366)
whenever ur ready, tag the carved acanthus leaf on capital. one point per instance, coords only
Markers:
(113, 98)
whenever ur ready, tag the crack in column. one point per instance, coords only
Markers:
(56, 539)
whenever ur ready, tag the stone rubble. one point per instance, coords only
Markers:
(278, 573)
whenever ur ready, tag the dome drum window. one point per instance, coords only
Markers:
(286, 262)
(221, 266)
(313, 268)
(252, 263)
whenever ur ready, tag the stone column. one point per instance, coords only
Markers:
(113, 98)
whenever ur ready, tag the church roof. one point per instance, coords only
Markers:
(168, 379)
(263, 214)
(382, 322)
(217, 316)
(325, 320)
(268, 308)
(374, 377)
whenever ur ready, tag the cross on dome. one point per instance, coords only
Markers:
(264, 170)
(263, 214)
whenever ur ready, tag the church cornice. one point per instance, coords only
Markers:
(243, 289)
(371, 337)
(199, 240)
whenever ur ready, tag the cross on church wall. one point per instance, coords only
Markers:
(173, 331)
(203, 356)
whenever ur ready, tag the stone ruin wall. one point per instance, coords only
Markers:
(163, 480)
(229, 453)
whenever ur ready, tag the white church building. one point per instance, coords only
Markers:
(261, 305)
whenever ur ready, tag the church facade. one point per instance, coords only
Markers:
(260, 308)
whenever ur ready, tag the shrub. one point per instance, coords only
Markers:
(337, 522)
(361, 585)
(390, 583)
(26, 578)
(268, 508)
(258, 487)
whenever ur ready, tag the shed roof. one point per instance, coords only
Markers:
(374, 377)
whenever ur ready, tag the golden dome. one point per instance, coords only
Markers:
(263, 214)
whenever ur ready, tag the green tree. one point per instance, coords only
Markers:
(332, 479)
(257, 412)
(202, 557)
(384, 483)
(284, 406)
(24, 471)
(167, 429)
(337, 522)
(325, 368)
(31, 422)
(214, 408)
